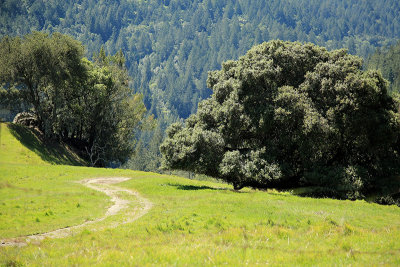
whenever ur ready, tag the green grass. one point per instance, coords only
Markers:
(196, 223)
(20, 145)
(48, 194)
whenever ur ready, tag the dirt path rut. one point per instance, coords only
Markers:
(105, 185)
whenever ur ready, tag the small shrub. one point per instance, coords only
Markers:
(387, 200)
(27, 119)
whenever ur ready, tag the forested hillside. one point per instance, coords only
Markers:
(170, 45)
(387, 60)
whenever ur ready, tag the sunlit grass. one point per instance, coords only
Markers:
(19, 145)
(198, 223)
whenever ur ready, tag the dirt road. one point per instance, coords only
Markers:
(105, 185)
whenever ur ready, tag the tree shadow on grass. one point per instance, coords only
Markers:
(201, 187)
(194, 187)
(51, 152)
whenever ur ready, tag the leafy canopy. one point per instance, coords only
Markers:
(86, 103)
(289, 114)
(171, 45)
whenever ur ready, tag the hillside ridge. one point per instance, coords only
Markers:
(22, 145)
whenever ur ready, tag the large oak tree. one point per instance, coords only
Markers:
(289, 114)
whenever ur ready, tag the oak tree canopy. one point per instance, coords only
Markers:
(289, 114)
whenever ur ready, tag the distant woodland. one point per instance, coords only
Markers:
(171, 45)
(387, 60)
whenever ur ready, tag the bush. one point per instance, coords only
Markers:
(28, 119)
(387, 200)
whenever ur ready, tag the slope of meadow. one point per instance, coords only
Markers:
(191, 222)
(20, 145)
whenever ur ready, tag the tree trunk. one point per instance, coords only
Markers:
(237, 186)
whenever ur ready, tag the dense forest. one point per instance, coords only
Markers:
(387, 60)
(170, 45)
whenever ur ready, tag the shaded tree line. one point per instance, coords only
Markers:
(88, 104)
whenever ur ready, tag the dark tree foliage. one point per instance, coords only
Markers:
(44, 71)
(388, 61)
(170, 45)
(86, 103)
(289, 114)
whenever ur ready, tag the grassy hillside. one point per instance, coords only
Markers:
(20, 145)
(191, 222)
